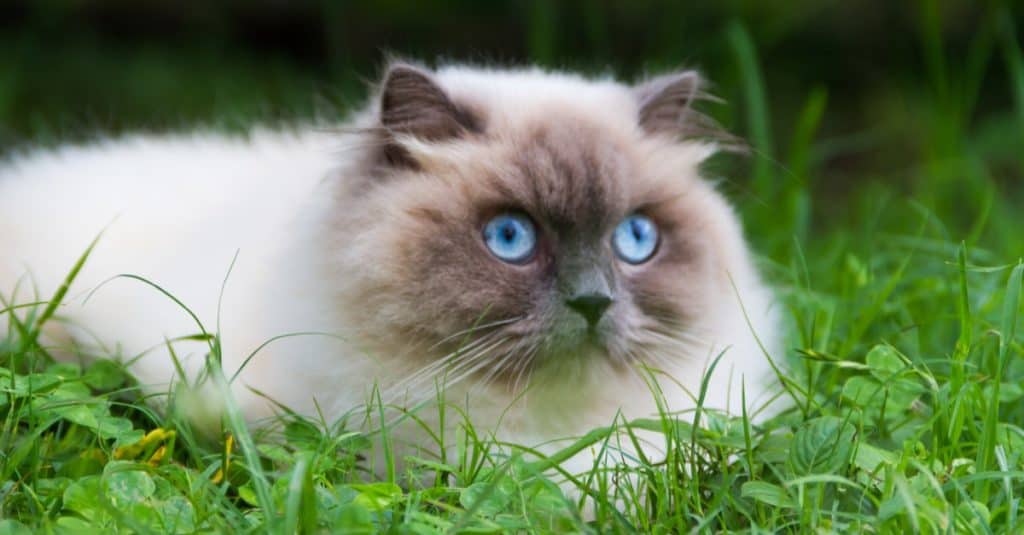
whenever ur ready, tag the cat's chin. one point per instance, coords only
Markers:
(587, 353)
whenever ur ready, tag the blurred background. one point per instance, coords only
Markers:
(845, 103)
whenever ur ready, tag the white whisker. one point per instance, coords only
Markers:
(474, 329)
(448, 360)
(448, 364)
(473, 369)
(527, 363)
(496, 369)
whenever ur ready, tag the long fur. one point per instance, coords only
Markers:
(370, 232)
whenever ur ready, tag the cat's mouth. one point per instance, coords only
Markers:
(573, 340)
(514, 352)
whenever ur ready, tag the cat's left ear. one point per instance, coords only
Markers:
(413, 104)
(665, 106)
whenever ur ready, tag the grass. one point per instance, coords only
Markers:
(903, 303)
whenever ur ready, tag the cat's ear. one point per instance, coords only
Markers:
(665, 106)
(663, 102)
(413, 104)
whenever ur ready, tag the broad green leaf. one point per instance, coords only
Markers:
(768, 493)
(863, 391)
(13, 527)
(870, 458)
(64, 370)
(177, 514)
(774, 448)
(71, 391)
(545, 500)
(822, 446)
(248, 495)
(377, 495)
(82, 497)
(128, 438)
(354, 518)
(885, 363)
(141, 513)
(125, 487)
(302, 434)
(897, 393)
(104, 375)
(80, 414)
(72, 525)
(488, 498)
(900, 394)
(20, 385)
(113, 427)
(428, 524)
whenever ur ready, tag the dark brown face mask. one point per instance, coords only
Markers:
(452, 160)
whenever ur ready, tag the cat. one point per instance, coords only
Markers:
(538, 244)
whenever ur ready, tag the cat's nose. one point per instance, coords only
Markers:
(590, 305)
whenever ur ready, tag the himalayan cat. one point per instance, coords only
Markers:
(537, 243)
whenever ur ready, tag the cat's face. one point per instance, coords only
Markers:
(545, 240)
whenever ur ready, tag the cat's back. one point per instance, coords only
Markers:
(152, 194)
(174, 210)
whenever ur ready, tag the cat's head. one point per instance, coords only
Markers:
(524, 223)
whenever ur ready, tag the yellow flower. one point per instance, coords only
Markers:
(229, 444)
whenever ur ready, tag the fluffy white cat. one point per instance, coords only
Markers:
(537, 242)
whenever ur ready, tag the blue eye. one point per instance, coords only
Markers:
(511, 237)
(635, 239)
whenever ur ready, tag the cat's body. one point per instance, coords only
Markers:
(375, 235)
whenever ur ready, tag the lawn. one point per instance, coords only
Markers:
(890, 219)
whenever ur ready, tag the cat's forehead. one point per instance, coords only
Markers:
(568, 173)
(514, 99)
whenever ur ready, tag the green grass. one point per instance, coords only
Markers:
(902, 298)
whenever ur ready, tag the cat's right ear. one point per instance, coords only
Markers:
(412, 104)
(665, 107)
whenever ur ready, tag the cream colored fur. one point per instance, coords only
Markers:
(176, 209)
